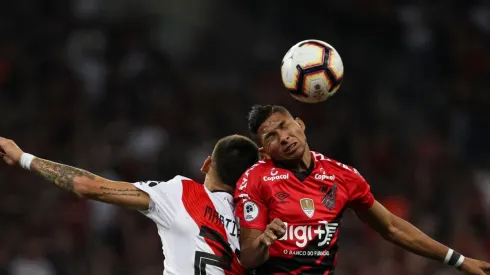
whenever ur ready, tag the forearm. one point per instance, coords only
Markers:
(254, 255)
(63, 176)
(405, 235)
(412, 239)
(75, 180)
(88, 185)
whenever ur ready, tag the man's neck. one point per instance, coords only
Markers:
(213, 186)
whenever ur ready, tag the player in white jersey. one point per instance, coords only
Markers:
(196, 222)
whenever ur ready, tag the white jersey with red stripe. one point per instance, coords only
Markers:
(198, 228)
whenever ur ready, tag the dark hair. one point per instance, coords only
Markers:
(261, 113)
(233, 155)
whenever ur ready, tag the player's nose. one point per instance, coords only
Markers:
(284, 139)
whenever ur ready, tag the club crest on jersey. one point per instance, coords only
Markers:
(329, 199)
(250, 211)
(308, 206)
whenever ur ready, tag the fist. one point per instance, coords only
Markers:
(274, 230)
(9, 151)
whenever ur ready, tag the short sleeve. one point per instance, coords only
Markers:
(360, 196)
(250, 207)
(165, 200)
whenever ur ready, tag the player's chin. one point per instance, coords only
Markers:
(295, 155)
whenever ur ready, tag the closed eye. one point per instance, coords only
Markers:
(269, 136)
(283, 125)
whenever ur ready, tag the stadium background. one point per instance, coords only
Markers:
(140, 90)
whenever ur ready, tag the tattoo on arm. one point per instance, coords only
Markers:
(59, 174)
(90, 186)
(125, 192)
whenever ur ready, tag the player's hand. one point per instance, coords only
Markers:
(474, 267)
(9, 151)
(274, 230)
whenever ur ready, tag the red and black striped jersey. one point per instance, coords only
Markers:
(311, 205)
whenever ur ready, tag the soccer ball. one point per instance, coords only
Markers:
(312, 71)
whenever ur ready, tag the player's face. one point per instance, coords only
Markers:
(283, 138)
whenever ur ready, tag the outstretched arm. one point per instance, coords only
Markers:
(407, 236)
(75, 180)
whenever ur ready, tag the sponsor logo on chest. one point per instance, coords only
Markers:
(323, 176)
(323, 231)
(275, 176)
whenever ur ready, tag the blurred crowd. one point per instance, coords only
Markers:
(141, 90)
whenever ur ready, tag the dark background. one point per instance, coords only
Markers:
(141, 90)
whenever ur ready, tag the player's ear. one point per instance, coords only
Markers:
(263, 154)
(300, 123)
(206, 165)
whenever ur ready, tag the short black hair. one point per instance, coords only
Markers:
(232, 156)
(259, 114)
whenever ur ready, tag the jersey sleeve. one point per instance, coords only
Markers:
(165, 200)
(360, 196)
(250, 208)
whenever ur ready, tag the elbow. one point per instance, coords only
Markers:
(397, 231)
(390, 233)
(391, 230)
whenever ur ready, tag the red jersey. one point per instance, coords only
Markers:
(311, 205)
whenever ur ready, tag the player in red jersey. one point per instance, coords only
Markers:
(196, 222)
(290, 205)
